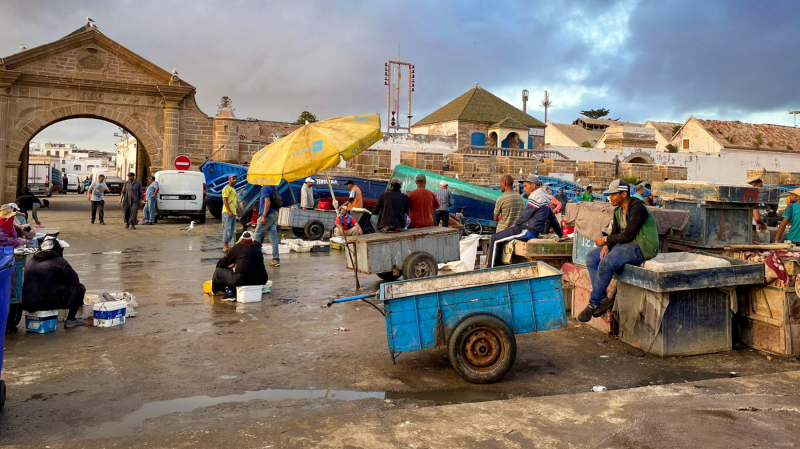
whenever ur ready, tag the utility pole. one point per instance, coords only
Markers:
(794, 113)
(546, 103)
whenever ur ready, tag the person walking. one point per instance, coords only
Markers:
(307, 194)
(268, 221)
(445, 198)
(421, 204)
(96, 194)
(64, 182)
(151, 196)
(130, 199)
(229, 213)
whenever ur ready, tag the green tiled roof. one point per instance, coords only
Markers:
(479, 105)
(509, 122)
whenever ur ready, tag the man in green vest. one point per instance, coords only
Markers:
(633, 239)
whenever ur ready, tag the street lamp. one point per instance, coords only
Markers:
(524, 100)
(794, 113)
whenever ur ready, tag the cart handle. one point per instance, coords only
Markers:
(351, 298)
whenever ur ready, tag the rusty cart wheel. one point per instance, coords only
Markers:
(389, 276)
(482, 348)
(420, 265)
(314, 230)
(298, 232)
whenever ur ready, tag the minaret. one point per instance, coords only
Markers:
(226, 132)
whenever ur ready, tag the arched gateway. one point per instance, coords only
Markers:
(88, 75)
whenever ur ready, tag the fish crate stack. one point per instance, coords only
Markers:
(720, 215)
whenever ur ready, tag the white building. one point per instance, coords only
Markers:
(127, 151)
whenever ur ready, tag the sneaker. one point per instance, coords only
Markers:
(605, 304)
(133, 226)
(275, 263)
(127, 225)
(230, 293)
(586, 314)
(77, 322)
(92, 221)
(102, 223)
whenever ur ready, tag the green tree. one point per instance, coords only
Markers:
(306, 116)
(596, 113)
(586, 144)
(632, 180)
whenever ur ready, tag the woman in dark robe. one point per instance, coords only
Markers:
(50, 283)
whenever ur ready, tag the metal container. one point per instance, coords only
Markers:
(381, 252)
(714, 225)
(581, 247)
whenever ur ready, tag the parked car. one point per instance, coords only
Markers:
(75, 184)
(181, 194)
(114, 184)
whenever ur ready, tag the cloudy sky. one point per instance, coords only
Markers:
(725, 59)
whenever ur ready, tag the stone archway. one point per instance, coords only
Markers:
(87, 75)
(638, 158)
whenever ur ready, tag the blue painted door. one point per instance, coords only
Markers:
(521, 144)
(479, 139)
(530, 142)
(504, 143)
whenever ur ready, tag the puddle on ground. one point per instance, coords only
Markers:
(128, 424)
(286, 302)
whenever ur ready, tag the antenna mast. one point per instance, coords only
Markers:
(393, 72)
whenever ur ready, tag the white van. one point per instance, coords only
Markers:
(74, 184)
(181, 193)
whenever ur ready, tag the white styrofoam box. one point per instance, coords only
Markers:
(41, 322)
(301, 246)
(267, 287)
(283, 248)
(249, 293)
(110, 313)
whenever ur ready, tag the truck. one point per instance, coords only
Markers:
(44, 179)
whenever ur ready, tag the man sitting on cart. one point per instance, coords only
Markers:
(633, 239)
(345, 224)
(391, 208)
(537, 218)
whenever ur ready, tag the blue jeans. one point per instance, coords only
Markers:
(601, 272)
(272, 226)
(150, 210)
(228, 227)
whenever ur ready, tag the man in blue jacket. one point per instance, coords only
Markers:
(537, 218)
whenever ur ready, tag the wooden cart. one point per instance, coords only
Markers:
(413, 254)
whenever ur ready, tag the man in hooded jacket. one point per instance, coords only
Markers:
(242, 265)
(50, 283)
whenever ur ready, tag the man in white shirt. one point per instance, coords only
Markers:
(307, 194)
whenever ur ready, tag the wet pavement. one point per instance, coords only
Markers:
(189, 362)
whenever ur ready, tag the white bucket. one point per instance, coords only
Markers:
(249, 293)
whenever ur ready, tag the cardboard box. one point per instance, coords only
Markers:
(110, 313)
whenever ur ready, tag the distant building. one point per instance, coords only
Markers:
(665, 131)
(479, 118)
(571, 135)
(599, 124)
(712, 136)
(127, 151)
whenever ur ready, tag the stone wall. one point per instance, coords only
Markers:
(619, 137)
(550, 165)
(789, 178)
(673, 172)
(374, 164)
(426, 161)
(264, 130)
(646, 172)
(772, 178)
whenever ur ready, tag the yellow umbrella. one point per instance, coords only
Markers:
(313, 148)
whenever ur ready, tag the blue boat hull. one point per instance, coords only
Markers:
(216, 174)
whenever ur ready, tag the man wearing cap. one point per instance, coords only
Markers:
(307, 194)
(791, 217)
(633, 239)
(508, 206)
(535, 219)
(422, 203)
(151, 198)
(355, 200)
(130, 199)
(757, 182)
(391, 208)
(445, 198)
(229, 212)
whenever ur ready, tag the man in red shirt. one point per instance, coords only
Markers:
(422, 203)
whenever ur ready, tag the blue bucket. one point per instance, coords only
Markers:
(6, 270)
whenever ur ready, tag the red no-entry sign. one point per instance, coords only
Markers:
(182, 163)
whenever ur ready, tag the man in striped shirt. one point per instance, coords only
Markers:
(442, 213)
(537, 218)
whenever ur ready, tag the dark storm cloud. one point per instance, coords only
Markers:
(640, 59)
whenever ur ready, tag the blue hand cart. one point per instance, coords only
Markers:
(475, 314)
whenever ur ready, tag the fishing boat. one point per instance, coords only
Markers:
(216, 174)
(475, 203)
